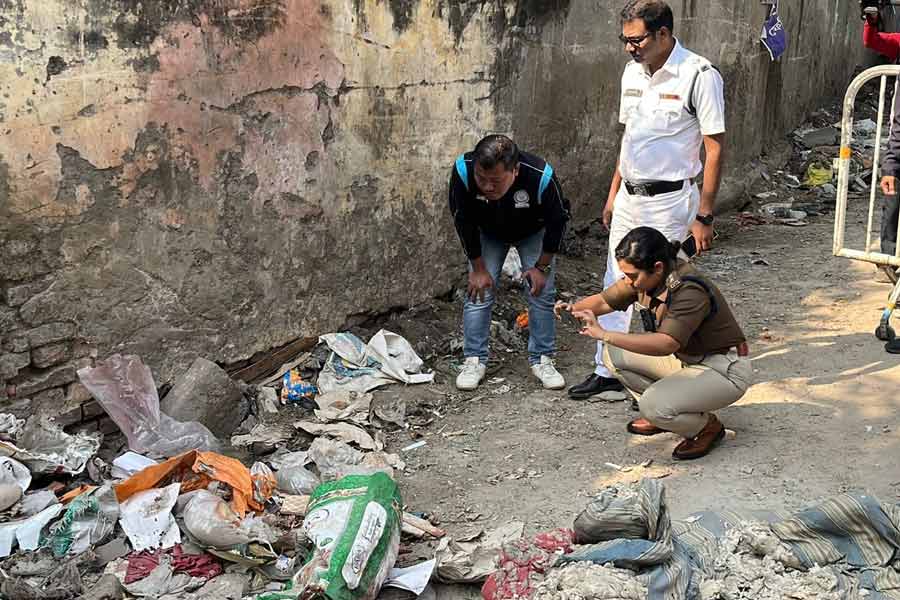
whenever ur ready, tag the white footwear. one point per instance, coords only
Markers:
(547, 373)
(471, 374)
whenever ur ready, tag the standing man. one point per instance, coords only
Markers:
(672, 103)
(501, 197)
(888, 45)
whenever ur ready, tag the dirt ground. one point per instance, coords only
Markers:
(821, 419)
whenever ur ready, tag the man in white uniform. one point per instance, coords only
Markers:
(672, 102)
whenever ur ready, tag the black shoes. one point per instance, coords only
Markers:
(593, 385)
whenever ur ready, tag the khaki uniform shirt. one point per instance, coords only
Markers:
(686, 315)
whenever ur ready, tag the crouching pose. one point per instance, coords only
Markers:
(692, 358)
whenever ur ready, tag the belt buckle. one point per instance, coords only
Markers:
(641, 189)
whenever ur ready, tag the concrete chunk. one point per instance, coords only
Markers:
(206, 394)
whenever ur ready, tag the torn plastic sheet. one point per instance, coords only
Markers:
(26, 532)
(147, 518)
(123, 386)
(387, 358)
(45, 448)
(130, 463)
(89, 520)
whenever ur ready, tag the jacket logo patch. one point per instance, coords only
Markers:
(633, 93)
(521, 199)
(669, 97)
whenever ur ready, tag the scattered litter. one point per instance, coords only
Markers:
(825, 136)
(211, 522)
(343, 432)
(389, 410)
(10, 426)
(296, 480)
(45, 448)
(471, 559)
(354, 526)
(263, 433)
(503, 389)
(26, 532)
(88, 521)
(294, 390)
(335, 460)
(12, 472)
(414, 446)
(130, 463)
(343, 405)
(123, 386)
(865, 127)
(387, 358)
(512, 265)
(412, 579)
(523, 563)
(522, 320)
(817, 175)
(146, 518)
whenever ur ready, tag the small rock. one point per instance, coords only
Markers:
(609, 397)
(206, 394)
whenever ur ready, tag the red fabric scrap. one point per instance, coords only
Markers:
(523, 563)
(141, 564)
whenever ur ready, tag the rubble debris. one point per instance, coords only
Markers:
(388, 410)
(823, 136)
(45, 448)
(266, 435)
(10, 426)
(206, 394)
(63, 583)
(107, 587)
(344, 405)
(123, 386)
(471, 559)
(343, 432)
(583, 581)
(524, 562)
(335, 460)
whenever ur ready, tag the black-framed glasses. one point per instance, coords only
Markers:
(634, 41)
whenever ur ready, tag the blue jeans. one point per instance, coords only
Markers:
(541, 320)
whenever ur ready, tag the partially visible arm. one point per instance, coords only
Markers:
(466, 228)
(712, 171)
(596, 304)
(886, 44)
(556, 216)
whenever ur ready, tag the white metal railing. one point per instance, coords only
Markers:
(844, 163)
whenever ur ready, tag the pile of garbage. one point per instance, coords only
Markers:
(279, 490)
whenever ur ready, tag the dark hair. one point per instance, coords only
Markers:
(643, 247)
(655, 14)
(496, 149)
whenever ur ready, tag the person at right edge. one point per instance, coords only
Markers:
(672, 103)
(888, 45)
(693, 357)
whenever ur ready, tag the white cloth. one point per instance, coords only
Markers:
(662, 139)
(671, 214)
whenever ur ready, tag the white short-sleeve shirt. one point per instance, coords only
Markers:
(662, 138)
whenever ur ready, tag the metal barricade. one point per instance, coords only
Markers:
(841, 248)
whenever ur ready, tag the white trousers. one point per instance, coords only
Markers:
(671, 214)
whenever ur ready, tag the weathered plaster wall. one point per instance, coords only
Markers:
(220, 177)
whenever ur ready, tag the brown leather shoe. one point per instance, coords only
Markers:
(703, 442)
(642, 426)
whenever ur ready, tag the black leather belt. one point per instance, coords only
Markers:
(653, 188)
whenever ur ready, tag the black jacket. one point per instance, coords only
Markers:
(533, 202)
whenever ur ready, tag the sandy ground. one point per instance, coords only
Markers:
(821, 419)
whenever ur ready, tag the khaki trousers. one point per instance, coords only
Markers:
(678, 396)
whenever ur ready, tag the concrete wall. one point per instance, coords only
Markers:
(220, 177)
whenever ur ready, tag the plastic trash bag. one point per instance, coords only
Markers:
(147, 520)
(354, 524)
(211, 522)
(45, 448)
(12, 471)
(512, 266)
(89, 519)
(296, 480)
(27, 532)
(123, 385)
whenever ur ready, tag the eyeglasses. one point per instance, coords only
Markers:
(635, 41)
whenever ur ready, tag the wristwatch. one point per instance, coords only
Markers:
(545, 269)
(706, 219)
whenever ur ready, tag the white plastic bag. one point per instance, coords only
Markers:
(296, 480)
(211, 522)
(123, 385)
(147, 520)
(512, 266)
(12, 471)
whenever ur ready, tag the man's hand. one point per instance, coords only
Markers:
(607, 213)
(536, 279)
(703, 234)
(889, 185)
(479, 283)
(591, 328)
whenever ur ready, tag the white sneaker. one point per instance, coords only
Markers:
(547, 373)
(471, 374)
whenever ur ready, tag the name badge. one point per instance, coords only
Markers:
(632, 93)
(669, 97)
